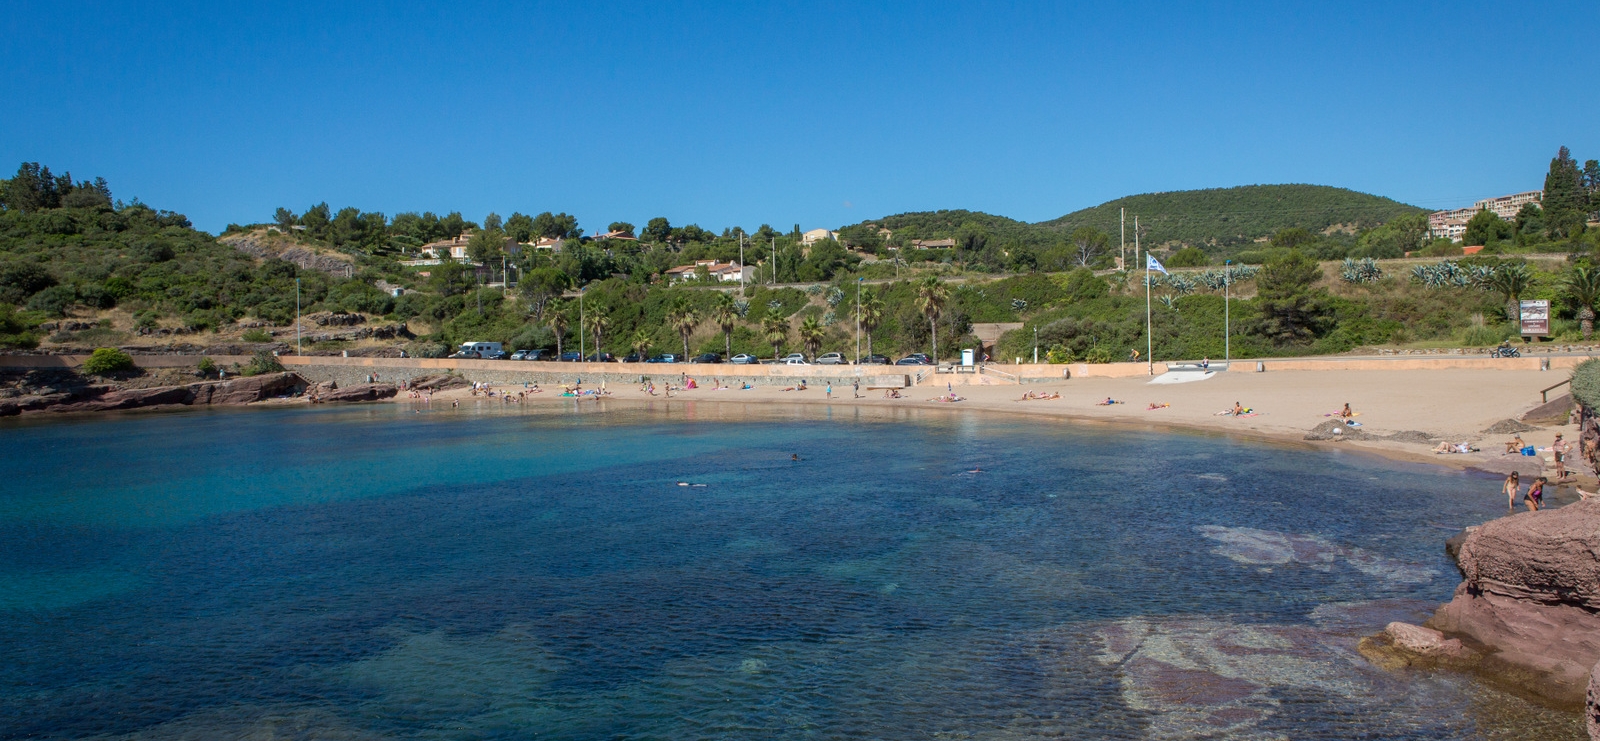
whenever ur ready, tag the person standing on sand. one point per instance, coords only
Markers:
(1560, 448)
(827, 391)
(856, 388)
(1512, 486)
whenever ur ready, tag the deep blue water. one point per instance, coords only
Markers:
(371, 572)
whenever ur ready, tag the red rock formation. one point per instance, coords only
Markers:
(363, 392)
(101, 398)
(1531, 595)
(1593, 713)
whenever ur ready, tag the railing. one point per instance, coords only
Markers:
(1012, 377)
(1544, 395)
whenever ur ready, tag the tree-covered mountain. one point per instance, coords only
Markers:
(1227, 217)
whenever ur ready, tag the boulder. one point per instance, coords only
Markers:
(362, 392)
(1423, 641)
(1592, 712)
(441, 382)
(1510, 427)
(1532, 596)
(254, 388)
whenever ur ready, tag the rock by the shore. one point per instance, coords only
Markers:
(1592, 712)
(233, 392)
(362, 392)
(1531, 596)
(441, 382)
(1424, 641)
(1508, 427)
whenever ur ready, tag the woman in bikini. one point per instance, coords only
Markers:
(1535, 497)
(1512, 486)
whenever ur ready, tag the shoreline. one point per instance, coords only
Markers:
(1426, 400)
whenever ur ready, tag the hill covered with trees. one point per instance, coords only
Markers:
(1232, 217)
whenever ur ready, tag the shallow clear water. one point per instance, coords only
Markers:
(371, 572)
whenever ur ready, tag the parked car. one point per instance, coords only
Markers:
(602, 357)
(634, 357)
(800, 356)
(494, 355)
(922, 356)
(466, 354)
(570, 357)
(876, 360)
(665, 357)
(791, 360)
(538, 354)
(832, 358)
(745, 359)
(910, 360)
(708, 357)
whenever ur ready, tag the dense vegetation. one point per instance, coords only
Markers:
(68, 249)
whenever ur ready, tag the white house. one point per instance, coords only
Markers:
(723, 272)
(817, 235)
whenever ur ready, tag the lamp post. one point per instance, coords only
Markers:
(859, 280)
(297, 316)
(1035, 344)
(1227, 295)
(580, 324)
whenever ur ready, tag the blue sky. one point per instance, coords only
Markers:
(818, 114)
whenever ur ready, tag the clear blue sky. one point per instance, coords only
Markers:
(821, 114)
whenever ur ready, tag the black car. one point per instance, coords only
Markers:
(665, 357)
(708, 357)
(911, 360)
(602, 357)
(571, 357)
(495, 355)
(876, 360)
(634, 357)
(540, 354)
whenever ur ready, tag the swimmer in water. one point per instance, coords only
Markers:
(795, 457)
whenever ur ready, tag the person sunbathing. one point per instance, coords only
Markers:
(1153, 405)
(1239, 409)
(1108, 402)
(1026, 396)
(1515, 445)
(1345, 412)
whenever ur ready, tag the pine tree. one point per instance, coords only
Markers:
(1565, 199)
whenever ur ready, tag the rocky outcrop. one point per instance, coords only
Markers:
(1531, 598)
(1554, 412)
(440, 382)
(362, 392)
(1592, 712)
(261, 246)
(234, 392)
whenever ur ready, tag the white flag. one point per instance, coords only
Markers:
(1151, 263)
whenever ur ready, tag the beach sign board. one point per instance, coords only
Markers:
(1536, 318)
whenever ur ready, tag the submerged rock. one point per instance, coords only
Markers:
(1531, 597)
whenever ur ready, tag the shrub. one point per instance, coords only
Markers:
(262, 362)
(1586, 383)
(1097, 355)
(1188, 257)
(53, 300)
(207, 367)
(106, 360)
(256, 335)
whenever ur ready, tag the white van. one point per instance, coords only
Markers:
(489, 350)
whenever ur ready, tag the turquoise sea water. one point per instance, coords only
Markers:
(372, 572)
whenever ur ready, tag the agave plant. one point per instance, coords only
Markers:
(1018, 304)
(742, 307)
(1154, 280)
(1365, 270)
(835, 295)
(1167, 300)
(1215, 280)
(1182, 285)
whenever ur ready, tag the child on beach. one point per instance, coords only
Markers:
(1512, 486)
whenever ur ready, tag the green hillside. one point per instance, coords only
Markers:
(1224, 217)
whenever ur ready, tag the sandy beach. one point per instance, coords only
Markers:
(1452, 405)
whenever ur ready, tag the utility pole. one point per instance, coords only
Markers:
(297, 316)
(1227, 290)
(774, 261)
(741, 263)
(1122, 247)
(580, 325)
(1035, 344)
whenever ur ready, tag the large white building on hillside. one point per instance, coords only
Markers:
(1453, 224)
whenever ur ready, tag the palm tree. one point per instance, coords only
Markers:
(683, 319)
(871, 316)
(1583, 287)
(726, 315)
(598, 324)
(777, 330)
(1509, 281)
(811, 332)
(640, 344)
(557, 315)
(931, 295)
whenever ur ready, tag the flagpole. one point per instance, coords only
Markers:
(1149, 343)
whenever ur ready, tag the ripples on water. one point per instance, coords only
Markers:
(371, 572)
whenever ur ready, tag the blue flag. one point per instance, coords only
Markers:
(1151, 263)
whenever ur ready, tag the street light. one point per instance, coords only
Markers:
(580, 324)
(1035, 344)
(859, 280)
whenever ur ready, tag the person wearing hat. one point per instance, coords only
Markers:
(1560, 449)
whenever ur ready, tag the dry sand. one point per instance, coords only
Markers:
(1454, 405)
